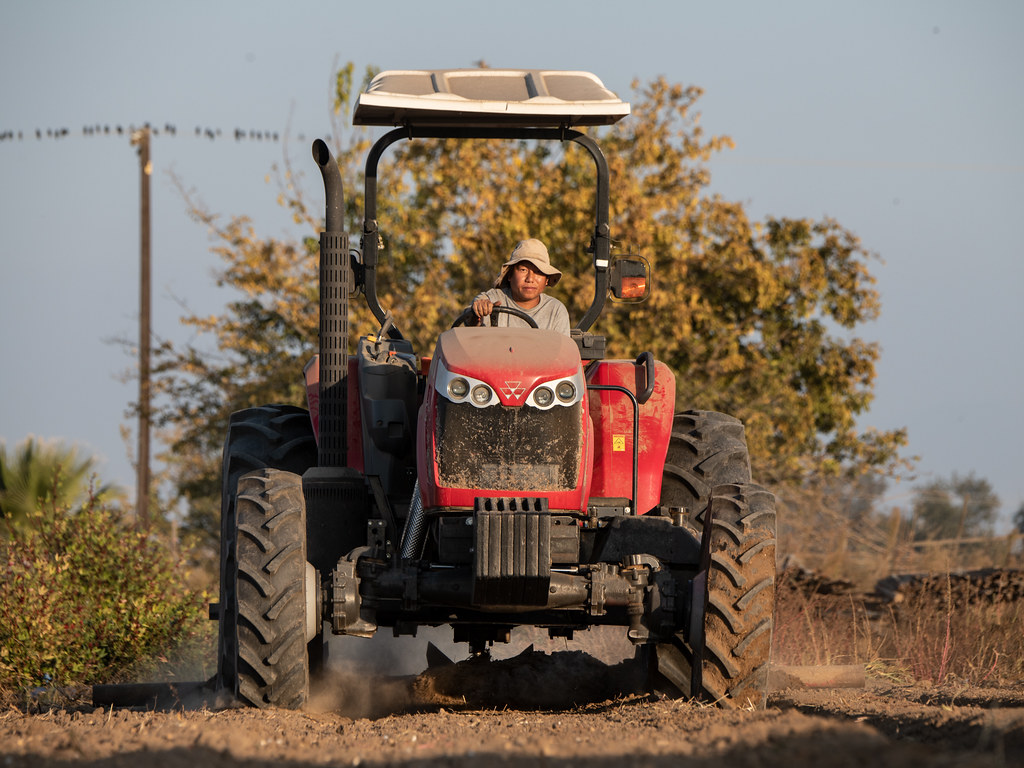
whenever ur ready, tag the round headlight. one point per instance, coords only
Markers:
(543, 396)
(458, 388)
(566, 391)
(481, 394)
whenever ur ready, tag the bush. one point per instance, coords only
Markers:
(85, 598)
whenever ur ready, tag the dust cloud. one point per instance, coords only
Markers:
(383, 675)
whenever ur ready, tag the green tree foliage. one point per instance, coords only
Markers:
(955, 507)
(755, 318)
(1018, 519)
(40, 475)
(85, 598)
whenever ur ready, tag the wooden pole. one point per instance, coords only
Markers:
(141, 139)
(895, 519)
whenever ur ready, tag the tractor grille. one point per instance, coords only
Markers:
(514, 448)
(512, 552)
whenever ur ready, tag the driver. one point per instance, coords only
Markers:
(520, 285)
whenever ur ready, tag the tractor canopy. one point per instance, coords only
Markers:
(488, 98)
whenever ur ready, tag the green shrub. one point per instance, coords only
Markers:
(85, 598)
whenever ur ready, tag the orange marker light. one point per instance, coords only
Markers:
(634, 287)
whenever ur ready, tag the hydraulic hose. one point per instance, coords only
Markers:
(412, 536)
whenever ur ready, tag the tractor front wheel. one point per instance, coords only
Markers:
(269, 436)
(273, 587)
(739, 614)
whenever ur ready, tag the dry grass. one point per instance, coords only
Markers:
(817, 629)
(942, 635)
(932, 635)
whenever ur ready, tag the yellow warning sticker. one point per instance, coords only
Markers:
(618, 442)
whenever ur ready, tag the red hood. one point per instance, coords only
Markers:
(520, 357)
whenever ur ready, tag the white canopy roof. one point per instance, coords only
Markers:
(488, 97)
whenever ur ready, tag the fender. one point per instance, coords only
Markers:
(612, 414)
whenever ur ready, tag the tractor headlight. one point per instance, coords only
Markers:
(481, 394)
(463, 389)
(543, 396)
(458, 388)
(556, 392)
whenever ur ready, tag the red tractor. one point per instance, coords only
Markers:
(519, 478)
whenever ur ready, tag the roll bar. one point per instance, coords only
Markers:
(600, 245)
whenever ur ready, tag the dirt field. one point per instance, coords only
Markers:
(557, 710)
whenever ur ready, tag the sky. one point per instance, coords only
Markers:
(900, 120)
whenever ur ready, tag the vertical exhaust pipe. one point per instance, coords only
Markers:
(335, 283)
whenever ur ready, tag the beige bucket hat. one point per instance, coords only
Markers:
(535, 252)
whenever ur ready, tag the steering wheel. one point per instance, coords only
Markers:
(468, 314)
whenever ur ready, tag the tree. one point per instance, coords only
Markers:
(755, 319)
(38, 475)
(1018, 519)
(953, 508)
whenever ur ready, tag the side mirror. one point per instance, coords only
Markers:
(631, 279)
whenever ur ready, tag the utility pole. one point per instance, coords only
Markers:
(141, 139)
(960, 529)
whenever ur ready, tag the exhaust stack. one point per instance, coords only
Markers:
(335, 283)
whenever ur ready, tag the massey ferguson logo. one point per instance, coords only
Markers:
(513, 389)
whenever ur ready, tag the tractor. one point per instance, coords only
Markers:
(511, 476)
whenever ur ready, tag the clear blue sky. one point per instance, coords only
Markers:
(903, 121)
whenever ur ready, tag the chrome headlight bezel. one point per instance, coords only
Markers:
(563, 391)
(575, 383)
(444, 380)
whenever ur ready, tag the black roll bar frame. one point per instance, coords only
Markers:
(600, 244)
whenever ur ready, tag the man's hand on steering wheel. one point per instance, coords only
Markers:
(493, 309)
(482, 307)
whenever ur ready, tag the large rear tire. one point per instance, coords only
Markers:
(740, 610)
(272, 436)
(273, 587)
(707, 449)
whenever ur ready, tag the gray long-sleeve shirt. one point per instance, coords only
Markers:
(550, 313)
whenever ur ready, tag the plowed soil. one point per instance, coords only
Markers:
(559, 709)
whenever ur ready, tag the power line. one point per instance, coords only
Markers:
(117, 129)
(140, 137)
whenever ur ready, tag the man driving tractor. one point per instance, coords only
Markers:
(521, 285)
